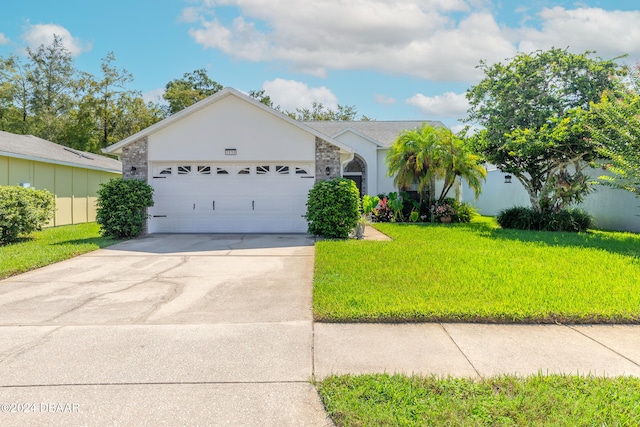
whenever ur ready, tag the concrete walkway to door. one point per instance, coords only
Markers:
(163, 330)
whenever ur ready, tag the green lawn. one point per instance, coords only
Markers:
(554, 400)
(479, 272)
(49, 246)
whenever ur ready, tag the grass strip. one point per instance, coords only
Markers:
(538, 400)
(49, 246)
(478, 272)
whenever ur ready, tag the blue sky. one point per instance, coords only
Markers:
(393, 60)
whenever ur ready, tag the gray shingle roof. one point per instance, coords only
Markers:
(383, 132)
(34, 148)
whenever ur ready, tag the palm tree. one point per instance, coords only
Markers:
(458, 161)
(412, 159)
(428, 153)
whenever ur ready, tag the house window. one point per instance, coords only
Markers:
(300, 171)
(184, 170)
(262, 170)
(204, 170)
(245, 171)
(282, 170)
(222, 171)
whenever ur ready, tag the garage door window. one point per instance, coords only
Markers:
(300, 171)
(244, 171)
(282, 170)
(166, 171)
(222, 171)
(184, 170)
(204, 170)
(262, 170)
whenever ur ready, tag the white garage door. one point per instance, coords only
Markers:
(230, 198)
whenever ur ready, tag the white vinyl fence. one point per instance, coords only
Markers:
(612, 209)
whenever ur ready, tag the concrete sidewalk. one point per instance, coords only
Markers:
(476, 350)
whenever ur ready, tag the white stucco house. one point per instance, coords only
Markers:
(231, 164)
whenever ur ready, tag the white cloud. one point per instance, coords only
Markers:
(4, 39)
(609, 33)
(190, 15)
(449, 104)
(414, 37)
(42, 34)
(440, 40)
(291, 94)
(154, 95)
(384, 100)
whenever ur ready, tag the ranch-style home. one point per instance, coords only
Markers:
(231, 164)
(72, 176)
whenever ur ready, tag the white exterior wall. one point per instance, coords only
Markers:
(385, 183)
(496, 195)
(368, 151)
(231, 123)
(612, 209)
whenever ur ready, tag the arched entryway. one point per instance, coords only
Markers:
(356, 170)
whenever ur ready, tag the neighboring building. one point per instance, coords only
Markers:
(231, 164)
(73, 176)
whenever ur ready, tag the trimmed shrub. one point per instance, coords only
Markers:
(522, 218)
(333, 208)
(23, 211)
(122, 207)
(464, 212)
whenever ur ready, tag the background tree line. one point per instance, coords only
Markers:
(43, 94)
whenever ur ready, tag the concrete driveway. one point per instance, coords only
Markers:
(163, 330)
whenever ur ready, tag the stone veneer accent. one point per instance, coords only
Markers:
(327, 155)
(134, 155)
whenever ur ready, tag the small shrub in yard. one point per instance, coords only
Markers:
(522, 218)
(122, 207)
(23, 210)
(333, 208)
(459, 211)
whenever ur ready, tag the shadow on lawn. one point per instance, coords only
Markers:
(627, 244)
(101, 242)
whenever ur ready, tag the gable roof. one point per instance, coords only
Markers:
(117, 147)
(384, 133)
(30, 147)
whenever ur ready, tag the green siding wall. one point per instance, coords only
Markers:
(76, 189)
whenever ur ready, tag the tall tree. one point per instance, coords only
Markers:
(15, 94)
(616, 132)
(108, 91)
(533, 111)
(191, 88)
(51, 78)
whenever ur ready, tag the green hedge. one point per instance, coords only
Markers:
(523, 218)
(333, 208)
(23, 210)
(122, 207)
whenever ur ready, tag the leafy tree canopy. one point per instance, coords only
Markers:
(616, 132)
(534, 113)
(191, 88)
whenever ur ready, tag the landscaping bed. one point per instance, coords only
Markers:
(478, 272)
(49, 246)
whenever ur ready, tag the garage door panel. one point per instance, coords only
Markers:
(232, 202)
